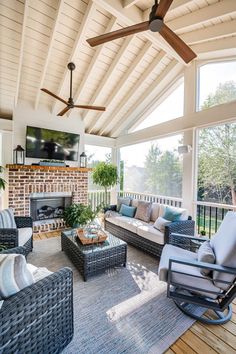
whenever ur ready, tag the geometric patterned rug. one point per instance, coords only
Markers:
(123, 310)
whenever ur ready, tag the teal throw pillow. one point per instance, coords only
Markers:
(126, 210)
(172, 214)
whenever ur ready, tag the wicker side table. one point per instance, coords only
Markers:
(93, 259)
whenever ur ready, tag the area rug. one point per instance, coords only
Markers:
(124, 310)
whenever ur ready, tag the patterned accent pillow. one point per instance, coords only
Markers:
(143, 211)
(14, 274)
(7, 220)
(206, 254)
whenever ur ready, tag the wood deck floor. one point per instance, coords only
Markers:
(200, 338)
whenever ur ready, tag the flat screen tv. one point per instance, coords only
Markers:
(51, 144)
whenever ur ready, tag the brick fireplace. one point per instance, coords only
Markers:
(28, 183)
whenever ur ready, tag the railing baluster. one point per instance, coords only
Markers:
(210, 222)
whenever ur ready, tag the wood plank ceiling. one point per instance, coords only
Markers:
(39, 37)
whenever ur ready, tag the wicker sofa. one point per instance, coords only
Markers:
(39, 318)
(21, 236)
(142, 234)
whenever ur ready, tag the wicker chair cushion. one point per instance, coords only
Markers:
(14, 274)
(161, 223)
(224, 246)
(143, 211)
(150, 233)
(38, 273)
(7, 220)
(206, 254)
(24, 234)
(189, 279)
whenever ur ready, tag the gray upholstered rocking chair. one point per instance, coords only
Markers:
(196, 286)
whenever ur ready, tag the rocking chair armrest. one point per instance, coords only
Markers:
(204, 265)
(189, 237)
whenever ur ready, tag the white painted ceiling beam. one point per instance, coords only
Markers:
(213, 48)
(135, 16)
(202, 15)
(109, 125)
(107, 77)
(90, 11)
(176, 5)
(218, 114)
(50, 47)
(92, 66)
(163, 91)
(105, 116)
(214, 32)
(169, 73)
(129, 3)
(26, 10)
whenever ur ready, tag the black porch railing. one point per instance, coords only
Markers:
(209, 217)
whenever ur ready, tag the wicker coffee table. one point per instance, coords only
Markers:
(93, 259)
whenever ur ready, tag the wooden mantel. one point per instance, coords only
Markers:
(37, 167)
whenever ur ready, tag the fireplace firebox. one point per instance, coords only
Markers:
(44, 208)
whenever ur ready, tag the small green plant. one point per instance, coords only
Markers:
(80, 214)
(105, 175)
(2, 181)
(203, 232)
(2, 247)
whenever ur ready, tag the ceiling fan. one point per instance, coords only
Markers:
(155, 24)
(70, 103)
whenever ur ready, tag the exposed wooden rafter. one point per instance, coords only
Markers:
(108, 76)
(108, 126)
(129, 3)
(26, 9)
(92, 66)
(50, 47)
(164, 78)
(121, 84)
(90, 11)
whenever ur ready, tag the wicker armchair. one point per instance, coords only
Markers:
(39, 318)
(10, 237)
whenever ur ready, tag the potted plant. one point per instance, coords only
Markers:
(78, 215)
(105, 175)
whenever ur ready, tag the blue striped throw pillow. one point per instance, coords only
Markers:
(7, 220)
(14, 274)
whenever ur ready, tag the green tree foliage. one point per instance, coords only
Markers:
(163, 172)
(217, 163)
(105, 175)
(225, 92)
(2, 181)
(217, 158)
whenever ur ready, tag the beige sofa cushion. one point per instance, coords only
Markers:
(150, 233)
(127, 223)
(155, 211)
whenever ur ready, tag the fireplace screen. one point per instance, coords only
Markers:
(48, 208)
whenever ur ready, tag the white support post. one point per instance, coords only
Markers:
(190, 83)
(115, 159)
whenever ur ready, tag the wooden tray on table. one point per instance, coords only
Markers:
(92, 238)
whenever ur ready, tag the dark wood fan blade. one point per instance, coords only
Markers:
(163, 7)
(53, 95)
(95, 108)
(184, 51)
(66, 109)
(107, 37)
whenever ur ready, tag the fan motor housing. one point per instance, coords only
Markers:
(156, 24)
